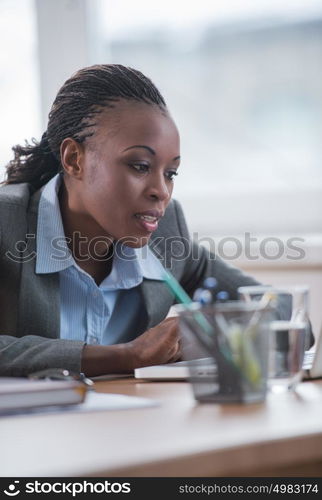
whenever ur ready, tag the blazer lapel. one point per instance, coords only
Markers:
(157, 299)
(39, 301)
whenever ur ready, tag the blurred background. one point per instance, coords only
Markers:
(243, 81)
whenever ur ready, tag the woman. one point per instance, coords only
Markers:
(86, 226)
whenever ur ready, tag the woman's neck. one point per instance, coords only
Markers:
(92, 251)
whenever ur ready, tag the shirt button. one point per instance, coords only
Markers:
(95, 294)
(94, 340)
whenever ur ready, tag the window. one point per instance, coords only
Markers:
(243, 83)
(242, 79)
(19, 86)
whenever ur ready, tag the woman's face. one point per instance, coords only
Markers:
(128, 169)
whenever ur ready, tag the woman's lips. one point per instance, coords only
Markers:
(147, 222)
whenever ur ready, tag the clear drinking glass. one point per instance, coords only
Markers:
(289, 334)
(227, 345)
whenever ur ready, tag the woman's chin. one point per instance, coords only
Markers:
(141, 242)
(134, 241)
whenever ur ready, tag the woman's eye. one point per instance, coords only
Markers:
(171, 175)
(141, 168)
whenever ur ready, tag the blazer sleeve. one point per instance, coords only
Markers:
(22, 355)
(19, 357)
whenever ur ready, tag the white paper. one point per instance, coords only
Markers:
(97, 401)
(94, 401)
(172, 313)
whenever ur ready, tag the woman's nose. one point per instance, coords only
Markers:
(158, 189)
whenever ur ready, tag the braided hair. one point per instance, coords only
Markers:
(85, 94)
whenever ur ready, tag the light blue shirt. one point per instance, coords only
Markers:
(110, 313)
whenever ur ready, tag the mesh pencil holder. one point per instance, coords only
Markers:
(227, 345)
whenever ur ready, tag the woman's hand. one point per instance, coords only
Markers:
(157, 345)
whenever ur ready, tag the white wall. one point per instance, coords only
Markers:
(302, 276)
(63, 47)
(283, 270)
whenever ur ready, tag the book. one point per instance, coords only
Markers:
(22, 393)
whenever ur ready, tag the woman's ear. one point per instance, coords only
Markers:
(71, 154)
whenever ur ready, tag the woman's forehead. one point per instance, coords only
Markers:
(128, 111)
(129, 121)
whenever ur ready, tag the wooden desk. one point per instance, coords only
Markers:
(281, 437)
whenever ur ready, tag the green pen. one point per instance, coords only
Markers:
(181, 295)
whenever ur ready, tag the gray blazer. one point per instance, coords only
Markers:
(30, 303)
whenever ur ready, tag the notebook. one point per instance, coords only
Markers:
(21, 393)
(312, 367)
(176, 371)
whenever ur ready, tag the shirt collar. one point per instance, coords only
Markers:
(130, 265)
(53, 254)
